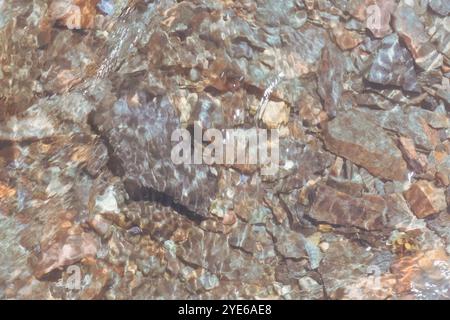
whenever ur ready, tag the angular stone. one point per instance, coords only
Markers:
(418, 162)
(275, 114)
(346, 39)
(442, 35)
(411, 30)
(334, 207)
(330, 75)
(441, 224)
(416, 123)
(73, 14)
(350, 271)
(378, 16)
(141, 139)
(352, 136)
(425, 199)
(393, 65)
(71, 249)
(310, 112)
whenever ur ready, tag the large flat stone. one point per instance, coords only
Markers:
(352, 136)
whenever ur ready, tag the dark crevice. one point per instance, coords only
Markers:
(140, 193)
(114, 164)
(324, 288)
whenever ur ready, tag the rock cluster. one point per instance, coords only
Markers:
(91, 92)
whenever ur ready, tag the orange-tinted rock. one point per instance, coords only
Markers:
(422, 275)
(352, 136)
(346, 39)
(425, 199)
(335, 207)
(330, 76)
(310, 110)
(73, 14)
(6, 191)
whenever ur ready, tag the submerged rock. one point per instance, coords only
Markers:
(425, 199)
(352, 136)
(91, 92)
(141, 139)
(411, 30)
(393, 65)
(334, 207)
(330, 73)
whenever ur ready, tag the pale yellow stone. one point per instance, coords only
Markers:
(275, 114)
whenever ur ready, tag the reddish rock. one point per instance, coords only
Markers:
(425, 199)
(334, 207)
(352, 136)
(69, 250)
(378, 16)
(424, 272)
(330, 76)
(73, 14)
(418, 162)
(346, 39)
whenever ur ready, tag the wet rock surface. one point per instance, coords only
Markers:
(92, 205)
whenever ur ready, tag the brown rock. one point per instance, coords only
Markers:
(277, 208)
(352, 136)
(73, 14)
(425, 199)
(310, 110)
(253, 239)
(330, 76)
(289, 244)
(417, 162)
(6, 192)
(69, 250)
(275, 114)
(335, 207)
(346, 39)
